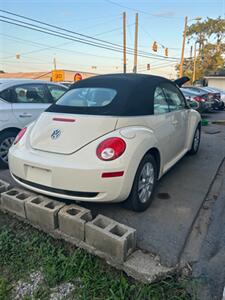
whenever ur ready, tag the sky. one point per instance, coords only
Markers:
(159, 20)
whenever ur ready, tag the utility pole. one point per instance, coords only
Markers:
(54, 63)
(124, 44)
(135, 44)
(194, 68)
(183, 46)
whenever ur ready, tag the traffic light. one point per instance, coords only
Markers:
(155, 46)
(148, 67)
(166, 51)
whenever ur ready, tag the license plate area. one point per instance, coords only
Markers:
(38, 175)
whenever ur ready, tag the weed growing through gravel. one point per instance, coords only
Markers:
(24, 250)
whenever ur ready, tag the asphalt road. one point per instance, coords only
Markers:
(164, 227)
(210, 267)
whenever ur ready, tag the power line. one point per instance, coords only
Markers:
(56, 27)
(50, 47)
(76, 33)
(75, 39)
(47, 30)
(112, 30)
(140, 11)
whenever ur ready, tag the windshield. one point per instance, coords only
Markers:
(88, 97)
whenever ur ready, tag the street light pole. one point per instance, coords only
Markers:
(135, 44)
(124, 44)
(183, 46)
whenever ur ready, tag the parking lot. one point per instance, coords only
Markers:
(163, 229)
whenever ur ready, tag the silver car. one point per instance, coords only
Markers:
(21, 102)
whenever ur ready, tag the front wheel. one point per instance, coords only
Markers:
(144, 184)
(196, 141)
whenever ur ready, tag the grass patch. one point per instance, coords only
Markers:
(24, 250)
(4, 289)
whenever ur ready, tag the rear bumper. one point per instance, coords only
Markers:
(65, 177)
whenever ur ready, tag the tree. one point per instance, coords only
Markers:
(209, 39)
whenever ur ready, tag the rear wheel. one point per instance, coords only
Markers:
(144, 184)
(6, 141)
(196, 141)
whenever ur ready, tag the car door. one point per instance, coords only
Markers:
(162, 125)
(29, 101)
(179, 117)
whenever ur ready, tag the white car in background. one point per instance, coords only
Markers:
(108, 139)
(21, 102)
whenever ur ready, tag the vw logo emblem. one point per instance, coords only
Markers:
(55, 134)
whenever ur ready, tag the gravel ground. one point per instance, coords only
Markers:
(27, 289)
(24, 289)
(62, 291)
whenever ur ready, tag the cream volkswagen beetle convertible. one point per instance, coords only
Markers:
(108, 139)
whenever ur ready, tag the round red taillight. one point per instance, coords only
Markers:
(111, 148)
(20, 135)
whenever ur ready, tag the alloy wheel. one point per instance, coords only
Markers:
(146, 182)
(4, 148)
(196, 139)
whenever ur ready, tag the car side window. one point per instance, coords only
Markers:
(30, 93)
(5, 95)
(174, 97)
(56, 91)
(160, 104)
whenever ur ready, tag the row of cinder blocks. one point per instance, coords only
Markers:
(102, 233)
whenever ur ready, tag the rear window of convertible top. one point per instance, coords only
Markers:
(88, 97)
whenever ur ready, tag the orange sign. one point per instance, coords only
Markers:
(58, 75)
(77, 77)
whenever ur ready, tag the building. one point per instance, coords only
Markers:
(59, 75)
(216, 80)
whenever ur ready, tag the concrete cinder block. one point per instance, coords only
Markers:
(43, 211)
(14, 201)
(4, 186)
(72, 219)
(106, 235)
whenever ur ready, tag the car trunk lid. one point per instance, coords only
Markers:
(65, 133)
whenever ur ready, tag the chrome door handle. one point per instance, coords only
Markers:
(25, 115)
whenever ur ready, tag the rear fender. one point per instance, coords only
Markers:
(139, 141)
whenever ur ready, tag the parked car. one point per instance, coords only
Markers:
(216, 96)
(21, 102)
(202, 96)
(220, 91)
(108, 139)
(202, 105)
(213, 98)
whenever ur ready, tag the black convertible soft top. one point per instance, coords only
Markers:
(135, 95)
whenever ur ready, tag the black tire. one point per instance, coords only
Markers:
(134, 202)
(6, 137)
(196, 141)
